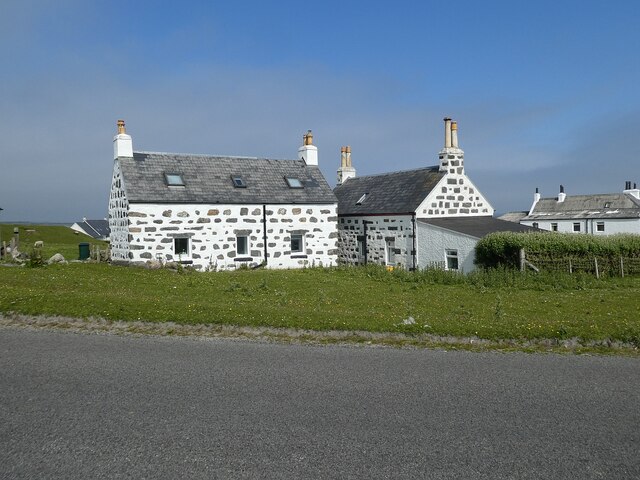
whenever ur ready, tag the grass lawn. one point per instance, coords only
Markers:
(502, 305)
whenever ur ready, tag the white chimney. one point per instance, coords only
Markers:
(346, 170)
(536, 199)
(451, 156)
(561, 195)
(308, 151)
(454, 134)
(122, 144)
(635, 192)
(447, 132)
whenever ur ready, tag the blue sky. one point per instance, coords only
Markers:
(545, 93)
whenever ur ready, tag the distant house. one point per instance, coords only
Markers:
(457, 238)
(598, 214)
(380, 216)
(98, 229)
(220, 212)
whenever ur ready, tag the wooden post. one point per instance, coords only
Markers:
(621, 267)
(570, 267)
(595, 261)
(522, 260)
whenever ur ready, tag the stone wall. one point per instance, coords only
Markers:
(212, 232)
(118, 221)
(382, 231)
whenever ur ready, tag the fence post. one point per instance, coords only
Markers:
(570, 267)
(522, 257)
(595, 260)
(621, 267)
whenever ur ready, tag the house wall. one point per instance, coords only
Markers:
(380, 230)
(454, 196)
(118, 220)
(611, 226)
(212, 231)
(433, 242)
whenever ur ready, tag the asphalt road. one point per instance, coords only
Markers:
(104, 406)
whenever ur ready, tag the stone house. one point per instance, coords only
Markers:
(599, 214)
(220, 212)
(378, 215)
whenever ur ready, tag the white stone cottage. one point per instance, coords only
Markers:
(216, 212)
(599, 214)
(378, 214)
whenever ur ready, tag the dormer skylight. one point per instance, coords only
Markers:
(238, 181)
(607, 204)
(361, 199)
(294, 182)
(174, 179)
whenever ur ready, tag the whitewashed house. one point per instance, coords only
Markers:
(379, 215)
(599, 214)
(217, 212)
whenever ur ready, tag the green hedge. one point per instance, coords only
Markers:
(501, 249)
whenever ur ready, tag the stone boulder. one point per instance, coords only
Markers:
(57, 258)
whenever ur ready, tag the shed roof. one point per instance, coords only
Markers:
(477, 226)
(388, 193)
(209, 179)
(606, 205)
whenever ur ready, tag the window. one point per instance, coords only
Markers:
(294, 182)
(181, 246)
(390, 252)
(297, 243)
(361, 247)
(242, 245)
(452, 259)
(599, 226)
(607, 204)
(238, 182)
(576, 226)
(535, 225)
(554, 227)
(174, 179)
(361, 199)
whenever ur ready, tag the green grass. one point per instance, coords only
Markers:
(489, 305)
(56, 238)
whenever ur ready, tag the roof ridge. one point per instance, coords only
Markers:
(397, 171)
(207, 155)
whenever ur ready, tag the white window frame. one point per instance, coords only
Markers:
(301, 250)
(576, 224)
(186, 254)
(247, 245)
(554, 227)
(451, 254)
(598, 227)
(389, 252)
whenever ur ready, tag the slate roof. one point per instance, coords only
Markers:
(387, 193)
(513, 216)
(95, 228)
(619, 205)
(208, 179)
(477, 226)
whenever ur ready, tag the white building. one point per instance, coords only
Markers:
(599, 214)
(216, 212)
(379, 215)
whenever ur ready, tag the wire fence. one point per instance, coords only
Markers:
(618, 266)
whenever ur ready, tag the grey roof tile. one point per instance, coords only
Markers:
(606, 205)
(389, 193)
(477, 226)
(207, 179)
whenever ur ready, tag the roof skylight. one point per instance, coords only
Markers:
(174, 179)
(361, 199)
(294, 182)
(238, 181)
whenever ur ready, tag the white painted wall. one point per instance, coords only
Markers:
(434, 241)
(212, 232)
(611, 226)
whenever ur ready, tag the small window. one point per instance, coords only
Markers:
(297, 243)
(181, 246)
(452, 259)
(238, 182)
(174, 179)
(600, 227)
(576, 226)
(607, 204)
(294, 182)
(390, 252)
(535, 225)
(554, 227)
(361, 246)
(242, 245)
(361, 199)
